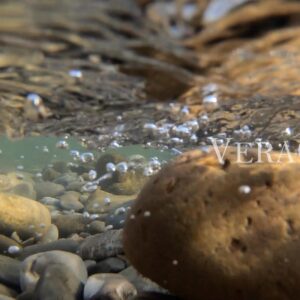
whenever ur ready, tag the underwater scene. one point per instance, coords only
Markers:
(149, 150)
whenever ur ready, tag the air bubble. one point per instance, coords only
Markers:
(244, 189)
(62, 144)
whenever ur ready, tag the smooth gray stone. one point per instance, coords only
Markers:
(48, 189)
(68, 245)
(70, 224)
(108, 287)
(109, 265)
(35, 267)
(9, 271)
(58, 282)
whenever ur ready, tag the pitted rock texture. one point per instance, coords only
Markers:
(198, 233)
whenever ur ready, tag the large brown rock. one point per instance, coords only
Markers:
(27, 217)
(205, 230)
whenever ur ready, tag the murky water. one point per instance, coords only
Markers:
(96, 96)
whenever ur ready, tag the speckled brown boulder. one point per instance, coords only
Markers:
(212, 231)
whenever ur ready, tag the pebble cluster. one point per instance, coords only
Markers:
(61, 228)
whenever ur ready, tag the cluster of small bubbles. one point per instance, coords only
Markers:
(114, 144)
(244, 189)
(75, 73)
(122, 167)
(243, 133)
(62, 144)
(120, 211)
(13, 249)
(20, 167)
(75, 154)
(107, 201)
(92, 175)
(110, 167)
(45, 149)
(89, 187)
(147, 214)
(87, 157)
(34, 98)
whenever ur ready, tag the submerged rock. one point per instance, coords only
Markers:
(108, 286)
(25, 216)
(219, 230)
(102, 245)
(36, 266)
(103, 202)
(9, 271)
(59, 282)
